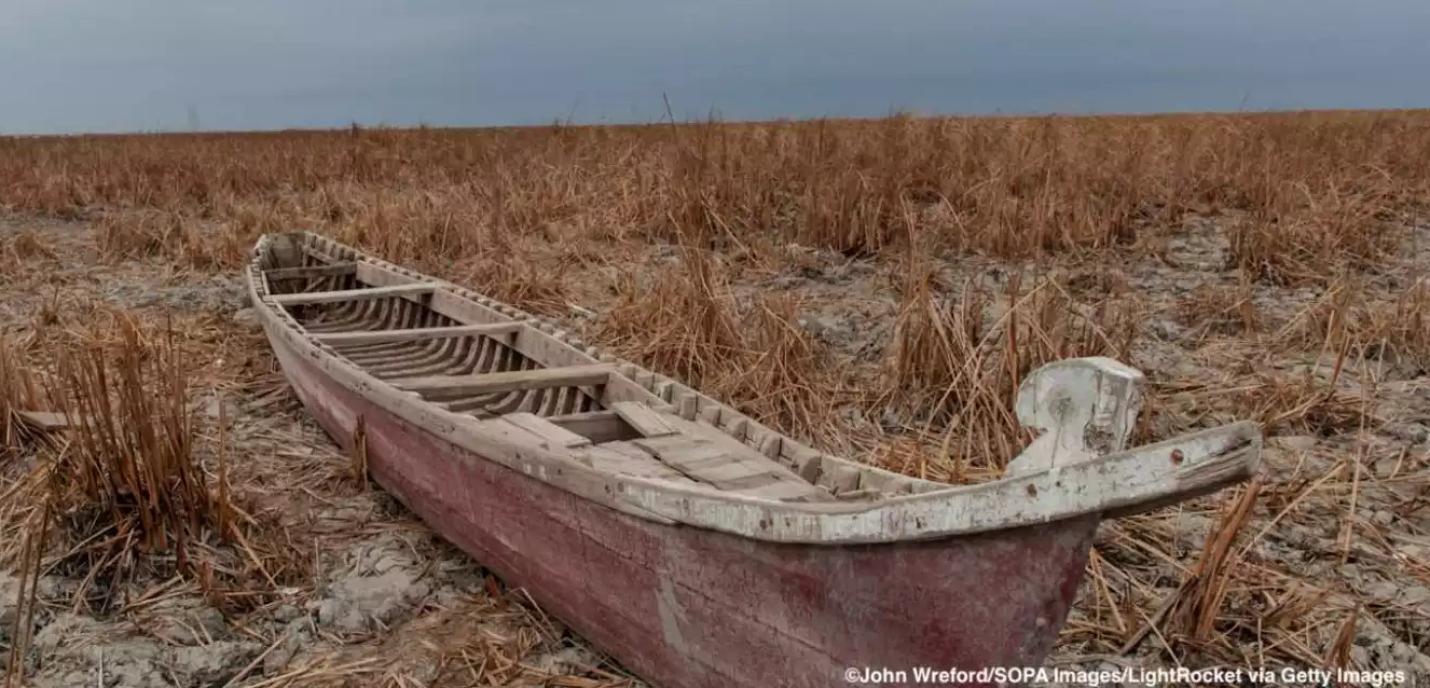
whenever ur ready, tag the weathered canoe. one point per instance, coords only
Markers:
(695, 545)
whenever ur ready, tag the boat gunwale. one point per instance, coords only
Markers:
(1116, 483)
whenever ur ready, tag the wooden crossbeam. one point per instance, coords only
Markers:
(415, 335)
(490, 383)
(353, 294)
(332, 270)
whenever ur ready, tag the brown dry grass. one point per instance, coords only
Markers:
(1309, 189)
(1259, 266)
(18, 392)
(131, 438)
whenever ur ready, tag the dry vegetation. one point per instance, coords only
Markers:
(877, 287)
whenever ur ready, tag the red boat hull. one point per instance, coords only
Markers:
(689, 607)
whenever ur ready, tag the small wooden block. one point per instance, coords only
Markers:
(689, 405)
(45, 421)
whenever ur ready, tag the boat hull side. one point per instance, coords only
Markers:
(690, 607)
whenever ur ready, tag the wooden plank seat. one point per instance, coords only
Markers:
(512, 381)
(348, 295)
(416, 334)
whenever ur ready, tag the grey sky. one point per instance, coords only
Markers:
(100, 65)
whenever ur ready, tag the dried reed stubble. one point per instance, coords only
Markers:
(949, 367)
(1312, 185)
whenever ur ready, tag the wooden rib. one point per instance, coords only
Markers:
(329, 270)
(354, 294)
(388, 323)
(418, 357)
(422, 358)
(473, 358)
(373, 337)
(443, 354)
(490, 357)
(646, 421)
(551, 405)
(344, 282)
(590, 400)
(509, 403)
(421, 347)
(357, 314)
(383, 314)
(463, 362)
(452, 355)
(531, 400)
(466, 404)
(396, 352)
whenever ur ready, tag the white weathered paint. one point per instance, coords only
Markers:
(1082, 407)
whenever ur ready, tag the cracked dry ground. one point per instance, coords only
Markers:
(1331, 566)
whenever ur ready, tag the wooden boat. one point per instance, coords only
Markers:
(697, 546)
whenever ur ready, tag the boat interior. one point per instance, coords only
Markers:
(509, 371)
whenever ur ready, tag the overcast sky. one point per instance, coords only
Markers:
(101, 65)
